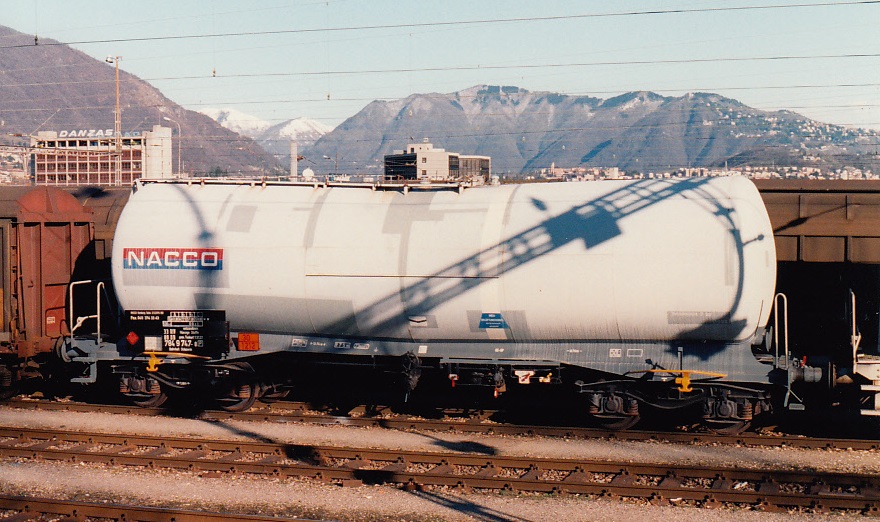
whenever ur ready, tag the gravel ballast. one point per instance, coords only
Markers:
(312, 499)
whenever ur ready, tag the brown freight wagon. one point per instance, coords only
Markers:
(43, 234)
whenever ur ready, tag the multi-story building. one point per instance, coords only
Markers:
(423, 161)
(90, 157)
(473, 167)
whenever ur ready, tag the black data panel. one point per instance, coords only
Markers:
(196, 332)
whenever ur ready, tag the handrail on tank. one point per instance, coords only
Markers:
(405, 185)
(780, 299)
(80, 320)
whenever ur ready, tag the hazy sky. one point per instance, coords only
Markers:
(327, 59)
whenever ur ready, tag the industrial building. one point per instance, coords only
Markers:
(423, 161)
(90, 157)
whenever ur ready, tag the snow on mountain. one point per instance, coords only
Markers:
(237, 121)
(274, 139)
(304, 131)
(301, 129)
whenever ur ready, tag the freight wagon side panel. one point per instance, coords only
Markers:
(6, 281)
(51, 233)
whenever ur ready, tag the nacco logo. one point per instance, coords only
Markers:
(173, 258)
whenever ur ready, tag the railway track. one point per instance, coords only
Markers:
(706, 486)
(20, 508)
(286, 412)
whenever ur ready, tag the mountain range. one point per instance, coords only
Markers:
(526, 131)
(638, 131)
(521, 130)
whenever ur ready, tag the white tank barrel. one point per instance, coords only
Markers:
(613, 260)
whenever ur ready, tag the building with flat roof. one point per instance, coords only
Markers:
(421, 161)
(472, 167)
(89, 157)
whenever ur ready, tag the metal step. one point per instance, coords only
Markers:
(92, 377)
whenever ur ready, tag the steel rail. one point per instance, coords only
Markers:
(766, 489)
(29, 508)
(286, 413)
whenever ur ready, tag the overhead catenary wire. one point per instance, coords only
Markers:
(470, 68)
(484, 113)
(527, 66)
(429, 96)
(272, 74)
(416, 25)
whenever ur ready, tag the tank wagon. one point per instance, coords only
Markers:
(647, 293)
(630, 295)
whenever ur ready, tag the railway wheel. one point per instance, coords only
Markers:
(243, 389)
(151, 401)
(8, 386)
(144, 392)
(727, 415)
(726, 427)
(612, 410)
(273, 394)
(8, 393)
(614, 422)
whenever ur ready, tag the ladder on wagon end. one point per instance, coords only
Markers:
(784, 362)
(85, 349)
(868, 366)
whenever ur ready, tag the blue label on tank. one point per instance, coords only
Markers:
(492, 321)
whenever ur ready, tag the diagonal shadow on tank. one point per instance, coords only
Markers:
(726, 216)
(591, 223)
(205, 238)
